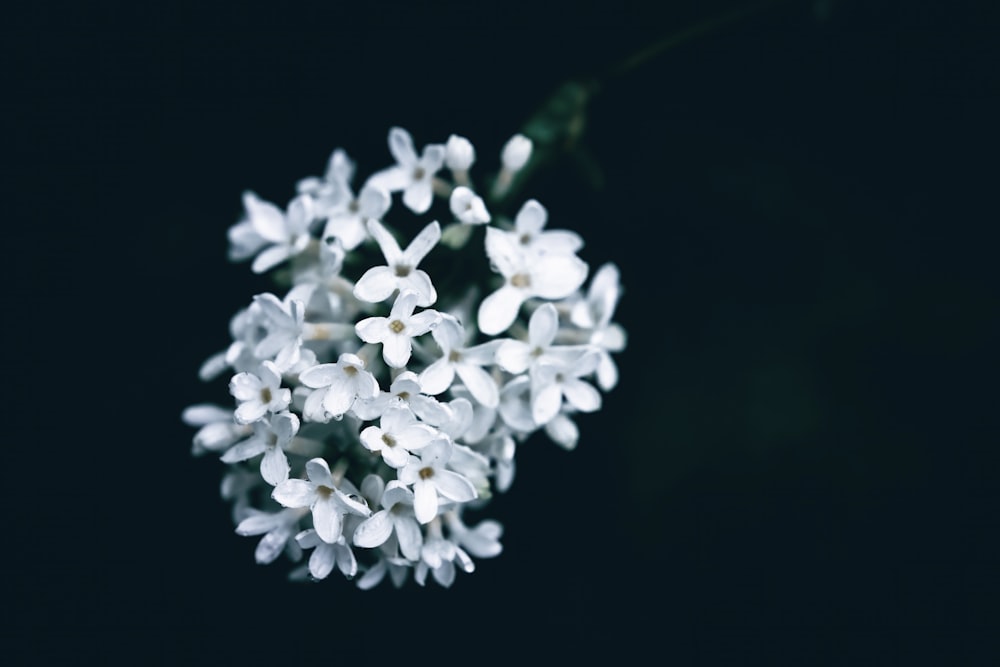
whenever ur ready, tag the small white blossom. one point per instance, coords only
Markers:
(405, 390)
(429, 476)
(327, 555)
(593, 314)
(412, 174)
(550, 276)
(217, 429)
(336, 387)
(516, 356)
(400, 272)
(277, 529)
(324, 499)
(396, 331)
(271, 438)
(398, 434)
(282, 324)
(466, 362)
(331, 192)
(468, 207)
(348, 222)
(396, 516)
(282, 234)
(258, 393)
(551, 383)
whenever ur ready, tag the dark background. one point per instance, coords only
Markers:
(799, 463)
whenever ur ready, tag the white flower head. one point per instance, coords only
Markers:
(396, 516)
(322, 495)
(413, 174)
(466, 362)
(327, 555)
(429, 476)
(281, 234)
(336, 387)
(549, 276)
(259, 393)
(398, 435)
(271, 438)
(468, 207)
(400, 271)
(397, 331)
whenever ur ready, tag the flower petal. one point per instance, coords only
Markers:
(454, 486)
(543, 326)
(274, 466)
(294, 493)
(582, 395)
(425, 501)
(401, 147)
(499, 310)
(558, 276)
(422, 244)
(373, 531)
(418, 196)
(376, 285)
(321, 561)
(545, 403)
(409, 536)
(327, 519)
(437, 377)
(531, 218)
(396, 350)
(480, 384)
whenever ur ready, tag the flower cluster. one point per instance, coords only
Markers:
(379, 395)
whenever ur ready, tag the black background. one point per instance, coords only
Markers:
(799, 464)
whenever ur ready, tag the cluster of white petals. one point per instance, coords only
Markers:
(379, 396)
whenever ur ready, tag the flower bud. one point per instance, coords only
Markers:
(516, 152)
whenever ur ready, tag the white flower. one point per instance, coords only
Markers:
(258, 393)
(405, 390)
(216, 428)
(412, 174)
(396, 516)
(337, 386)
(326, 555)
(347, 222)
(330, 192)
(516, 152)
(515, 356)
(277, 529)
(549, 276)
(428, 476)
(398, 570)
(467, 362)
(594, 314)
(398, 434)
(271, 438)
(396, 331)
(283, 235)
(468, 207)
(438, 556)
(551, 383)
(482, 541)
(401, 272)
(282, 324)
(320, 494)
(529, 229)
